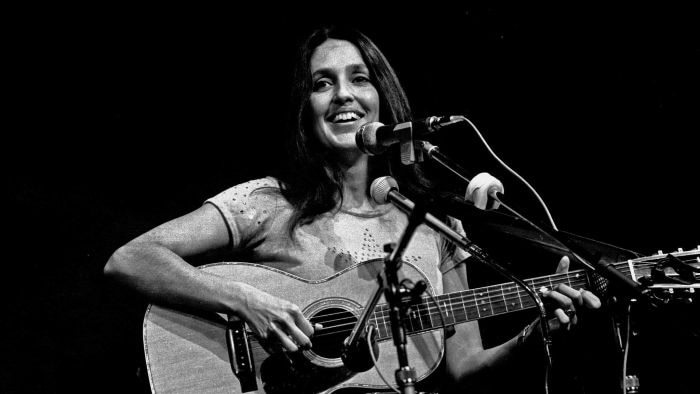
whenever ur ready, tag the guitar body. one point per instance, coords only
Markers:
(187, 351)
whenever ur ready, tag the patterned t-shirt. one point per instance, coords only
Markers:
(258, 216)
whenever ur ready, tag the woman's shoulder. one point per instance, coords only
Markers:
(259, 185)
(261, 188)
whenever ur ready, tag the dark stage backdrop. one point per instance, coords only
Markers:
(128, 116)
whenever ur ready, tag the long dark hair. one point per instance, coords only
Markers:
(313, 182)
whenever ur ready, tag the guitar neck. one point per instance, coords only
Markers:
(479, 303)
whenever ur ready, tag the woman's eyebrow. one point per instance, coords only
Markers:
(328, 70)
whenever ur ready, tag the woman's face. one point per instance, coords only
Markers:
(343, 98)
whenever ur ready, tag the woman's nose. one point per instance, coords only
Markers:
(343, 92)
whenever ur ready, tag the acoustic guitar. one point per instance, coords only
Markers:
(193, 352)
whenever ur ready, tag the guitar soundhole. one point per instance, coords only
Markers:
(337, 325)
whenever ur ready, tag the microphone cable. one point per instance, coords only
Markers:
(502, 163)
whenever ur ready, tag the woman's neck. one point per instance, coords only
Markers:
(355, 176)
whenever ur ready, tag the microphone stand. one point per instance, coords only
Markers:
(354, 353)
(394, 293)
(605, 269)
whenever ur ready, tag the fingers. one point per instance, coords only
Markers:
(566, 317)
(298, 328)
(564, 296)
(567, 300)
(283, 338)
(303, 324)
(563, 265)
(580, 297)
(574, 296)
(590, 300)
(298, 337)
(277, 322)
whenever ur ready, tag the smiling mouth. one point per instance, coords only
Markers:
(345, 117)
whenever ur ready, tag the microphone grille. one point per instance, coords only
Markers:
(380, 187)
(366, 138)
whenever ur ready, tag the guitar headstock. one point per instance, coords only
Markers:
(674, 276)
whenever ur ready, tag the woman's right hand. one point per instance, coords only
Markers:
(277, 322)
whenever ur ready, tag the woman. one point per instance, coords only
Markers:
(318, 219)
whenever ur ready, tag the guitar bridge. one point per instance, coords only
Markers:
(239, 354)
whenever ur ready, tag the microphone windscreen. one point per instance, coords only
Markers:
(380, 187)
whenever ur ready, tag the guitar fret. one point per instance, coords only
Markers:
(529, 302)
(496, 300)
(411, 318)
(385, 323)
(448, 306)
(511, 301)
(475, 314)
(503, 297)
(460, 314)
(380, 323)
(450, 318)
(506, 301)
(520, 298)
(439, 313)
(417, 317)
(424, 314)
(483, 310)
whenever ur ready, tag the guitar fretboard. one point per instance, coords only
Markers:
(474, 304)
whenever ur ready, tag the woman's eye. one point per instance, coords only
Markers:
(361, 79)
(321, 84)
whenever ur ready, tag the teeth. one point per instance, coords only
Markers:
(345, 116)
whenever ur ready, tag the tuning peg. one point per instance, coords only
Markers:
(680, 249)
(659, 252)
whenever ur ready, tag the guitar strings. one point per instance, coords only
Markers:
(507, 297)
(380, 314)
(470, 300)
(506, 293)
(430, 312)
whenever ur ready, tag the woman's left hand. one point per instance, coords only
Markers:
(567, 300)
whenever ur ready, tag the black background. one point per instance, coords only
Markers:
(124, 117)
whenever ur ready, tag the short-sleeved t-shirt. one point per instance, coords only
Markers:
(258, 218)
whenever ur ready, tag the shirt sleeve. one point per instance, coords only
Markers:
(247, 209)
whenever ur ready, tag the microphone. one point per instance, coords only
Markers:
(374, 138)
(385, 189)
